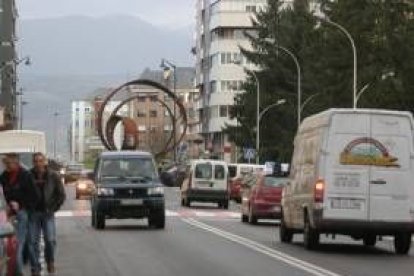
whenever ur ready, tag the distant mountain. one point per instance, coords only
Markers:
(103, 45)
(73, 56)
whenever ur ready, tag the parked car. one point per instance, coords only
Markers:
(85, 185)
(127, 186)
(236, 174)
(8, 242)
(351, 174)
(207, 181)
(261, 197)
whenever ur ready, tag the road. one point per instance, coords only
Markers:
(205, 241)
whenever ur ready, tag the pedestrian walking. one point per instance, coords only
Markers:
(21, 197)
(49, 186)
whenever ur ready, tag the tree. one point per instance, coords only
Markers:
(383, 31)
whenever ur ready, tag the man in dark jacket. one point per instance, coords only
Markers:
(52, 195)
(21, 198)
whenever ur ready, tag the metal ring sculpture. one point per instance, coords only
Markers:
(107, 138)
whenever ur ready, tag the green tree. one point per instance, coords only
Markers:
(384, 35)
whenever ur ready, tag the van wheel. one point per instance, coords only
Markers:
(369, 240)
(99, 220)
(182, 202)
(310, 235)
(402, 243)
(252, 218)
(244, 218)
(285, 234)
(225, 205)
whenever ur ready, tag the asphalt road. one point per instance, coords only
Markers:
(206, 241)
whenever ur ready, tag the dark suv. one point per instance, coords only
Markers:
(127, 186)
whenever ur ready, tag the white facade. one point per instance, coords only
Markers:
(219, 35)
(83, 128)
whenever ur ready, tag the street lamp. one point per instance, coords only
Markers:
(239, 62)
(279, 102)
(55, 116)
(22, 104)
(299, 78)
(166, 66)
(27, 61)
(354, 52)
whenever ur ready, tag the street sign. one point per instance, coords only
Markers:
(249, 153)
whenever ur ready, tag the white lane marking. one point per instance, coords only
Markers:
(204, 214)
(390, 238)
(275, 254)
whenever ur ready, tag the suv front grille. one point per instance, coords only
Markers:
(130, 192)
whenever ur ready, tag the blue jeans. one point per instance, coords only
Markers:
(23, 238)
(43, 222)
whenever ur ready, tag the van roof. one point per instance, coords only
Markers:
(323, 118)
(125, 153)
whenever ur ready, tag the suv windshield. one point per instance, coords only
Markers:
(128, 169)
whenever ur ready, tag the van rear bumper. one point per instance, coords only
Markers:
(207, 195)
(359, 227)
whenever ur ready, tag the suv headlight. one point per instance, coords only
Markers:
(156, 191)
(105, 191)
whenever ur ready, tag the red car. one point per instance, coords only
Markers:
(8, 242)
(261, 197)
(237, 172)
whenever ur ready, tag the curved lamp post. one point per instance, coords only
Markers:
(354, 52)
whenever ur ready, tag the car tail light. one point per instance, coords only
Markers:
(319, 191)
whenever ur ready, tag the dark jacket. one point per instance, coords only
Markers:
(53, 192)
(23, 191)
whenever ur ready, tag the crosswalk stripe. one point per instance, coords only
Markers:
(168, 213)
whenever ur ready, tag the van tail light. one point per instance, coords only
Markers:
(319, 191)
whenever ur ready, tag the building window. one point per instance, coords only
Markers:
(154, 98)
(213, 86)
(87, 109)
(251, 8)
(142, 99)
(141, 114)
(153, 113)
(223, 111)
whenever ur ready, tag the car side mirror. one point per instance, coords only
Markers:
(6, 230)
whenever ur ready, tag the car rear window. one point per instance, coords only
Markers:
(219, 172)
(271, 181)
(204, 171)
(232, 171)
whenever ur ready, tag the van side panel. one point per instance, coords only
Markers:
(346, 184)
(392, 179)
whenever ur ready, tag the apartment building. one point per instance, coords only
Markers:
(220, 32)
(152, 117)
(8, 78)
(84, 140)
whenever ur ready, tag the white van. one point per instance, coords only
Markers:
(24, 143)
(206, 181)
(352, 173)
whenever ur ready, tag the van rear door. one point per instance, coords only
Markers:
(346, 179)
(391, 177)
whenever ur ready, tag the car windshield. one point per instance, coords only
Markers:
(271, 181)
(128, 169)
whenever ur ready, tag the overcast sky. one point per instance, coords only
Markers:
(169, 13)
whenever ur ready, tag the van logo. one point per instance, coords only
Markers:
(369, 152)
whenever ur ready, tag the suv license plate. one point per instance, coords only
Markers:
(129, 202)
